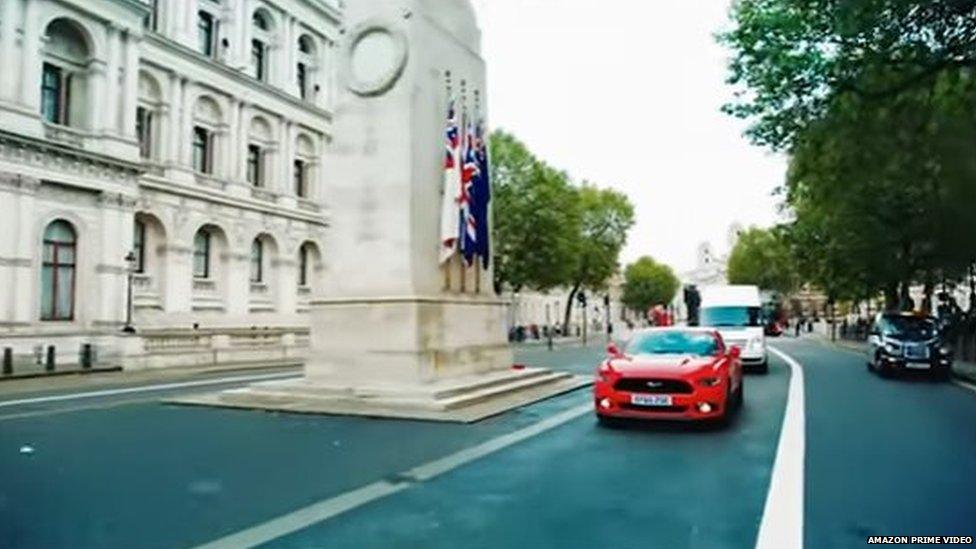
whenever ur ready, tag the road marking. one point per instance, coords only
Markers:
(782, 520)
(965, 384)
(331, 507)
(146, 389)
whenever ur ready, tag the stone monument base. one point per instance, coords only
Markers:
(462, 399)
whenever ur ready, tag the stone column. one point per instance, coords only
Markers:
(10, 10)
(109, 109)
(178, 292)
(130, 85)
(30, 68)
(287, 155)
(236, 277)
(20, 252)
(173, 154)
(231, 160)
(286, 281)
(117, 216)
(184, 140)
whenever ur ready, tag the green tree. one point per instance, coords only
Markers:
(607, 216)
(648, 283)
(792, 60)
(875, 101)
(537, 218)
(762, 257)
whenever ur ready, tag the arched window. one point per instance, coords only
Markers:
(139, 245)
(305, 68)
(58, 272)
(303, 265)
(201, 254)
(64, 74)
(261, 26)
(202, 150)
(257, 261)
(206, 33)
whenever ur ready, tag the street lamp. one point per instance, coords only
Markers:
(130, 260)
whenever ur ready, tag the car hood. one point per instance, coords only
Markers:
(668, 365)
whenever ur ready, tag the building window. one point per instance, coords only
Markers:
(258, 51)
(303, 265)
(254, 175)
(300, 174)
(53, 95)
(58, 272)
(206, 33)
(201, 254)
(302, 76)
(202, 161)
(139, 245)
(257, 261)
(144, 123)
(151, 21)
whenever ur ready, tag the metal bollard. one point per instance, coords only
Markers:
(49, 362)
(8, 361)
(87, 356)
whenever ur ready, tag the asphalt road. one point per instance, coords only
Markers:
(883, 457)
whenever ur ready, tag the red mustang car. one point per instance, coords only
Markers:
(670, 373)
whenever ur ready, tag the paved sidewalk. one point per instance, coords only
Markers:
(965, 371)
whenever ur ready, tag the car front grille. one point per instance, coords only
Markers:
(655, 409)
(653, 385)
(919, 350)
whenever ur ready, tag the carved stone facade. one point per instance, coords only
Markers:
(180, 141)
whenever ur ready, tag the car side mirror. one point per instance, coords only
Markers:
(613, 350)
(735, 351)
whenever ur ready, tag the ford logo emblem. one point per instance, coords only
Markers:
(654, 384)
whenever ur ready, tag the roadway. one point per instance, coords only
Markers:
(882, 457)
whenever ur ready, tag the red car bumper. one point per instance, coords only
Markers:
(616, 403)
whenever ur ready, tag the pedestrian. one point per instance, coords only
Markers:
(799, 324)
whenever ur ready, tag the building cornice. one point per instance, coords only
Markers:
(31, 151)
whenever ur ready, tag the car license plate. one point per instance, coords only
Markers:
(918, 365)
(651, 400)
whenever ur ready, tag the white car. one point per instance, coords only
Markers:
(736, 312)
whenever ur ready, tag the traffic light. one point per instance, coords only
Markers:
(581, 298)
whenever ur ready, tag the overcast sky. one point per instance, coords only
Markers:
(626, 93)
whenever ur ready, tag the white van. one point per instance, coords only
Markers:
(736, 312)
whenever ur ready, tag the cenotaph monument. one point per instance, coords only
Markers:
(397, 330)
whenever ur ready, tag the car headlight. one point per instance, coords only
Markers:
(892, 346)
(709, 381)
(945, 351)
(755, 344)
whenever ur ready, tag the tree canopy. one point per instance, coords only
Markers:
(537, 218)
(875, 102)
(648, 283)
(549, 232)
(762, 257)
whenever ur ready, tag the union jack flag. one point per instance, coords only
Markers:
(470, 173)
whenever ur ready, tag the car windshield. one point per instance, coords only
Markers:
(910, 328)
(673, 342)
(731, 316)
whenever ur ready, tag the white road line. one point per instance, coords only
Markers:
(146, 389)
(782, 521)
(965, 384)
(328, 508)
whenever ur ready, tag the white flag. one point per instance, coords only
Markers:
(450, 208)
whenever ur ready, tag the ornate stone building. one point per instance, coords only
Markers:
(179, 140)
